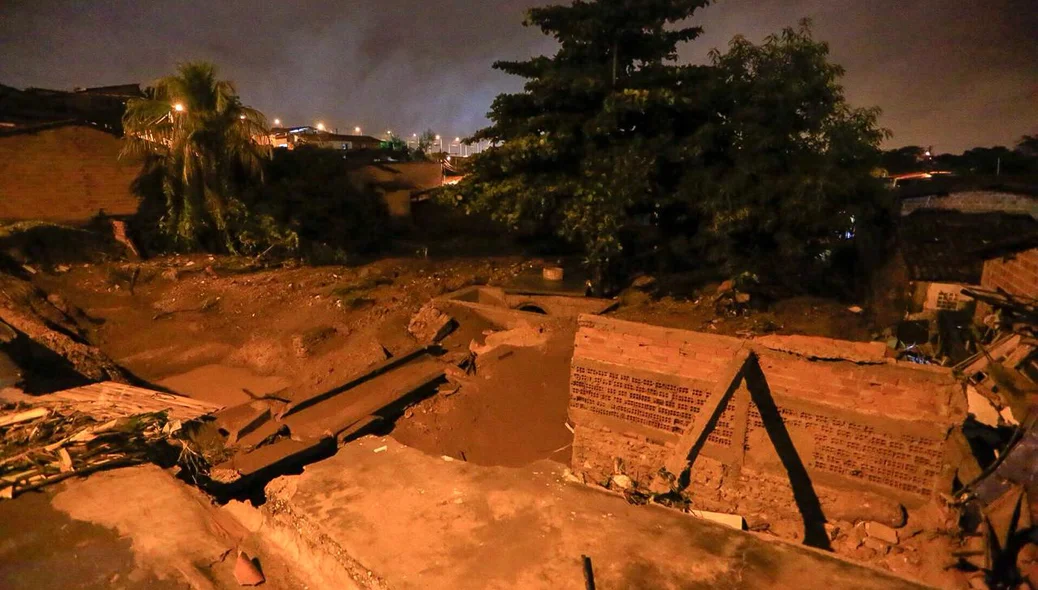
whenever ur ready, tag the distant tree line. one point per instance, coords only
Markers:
(1022, 159)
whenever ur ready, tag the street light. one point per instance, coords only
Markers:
(320, 126)
(277, 122)
(178, 107)
(356, 130)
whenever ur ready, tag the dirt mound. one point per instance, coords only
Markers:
(41, 346)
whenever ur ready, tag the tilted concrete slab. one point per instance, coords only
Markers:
(403, 519)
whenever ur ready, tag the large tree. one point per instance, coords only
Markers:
(578, 148)
(199, 143)
(782, 171)
(752, 159)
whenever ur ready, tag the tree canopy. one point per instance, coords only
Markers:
(753, 158)
(198, 141)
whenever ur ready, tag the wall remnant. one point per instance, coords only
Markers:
(869, 424)
(1017, 274)
(64, 174)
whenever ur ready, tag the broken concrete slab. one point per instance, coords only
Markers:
(238, 421)
(269, 460)
(882, 532)
(816, 347)
(525, 335)
(455, 521)
(430, 324)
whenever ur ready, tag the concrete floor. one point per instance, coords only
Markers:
(128, 528)
(416, 521)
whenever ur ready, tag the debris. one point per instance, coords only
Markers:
(447, 458)
(882, 532)
(64, 461)
(305, 343)
(622, 481)
(569, 428)
(26, 416)
(981, 408)
(522, 336)
(552, 273)
(734, 521)
(855, 309)
(382, 449)
(726, 286)
(644, 283)
(430, 325)
(742, 297)
(119, 233)
(238, 421)
(246, 572)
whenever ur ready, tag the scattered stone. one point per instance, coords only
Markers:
(832, 531)
(170, 274)
(879, 546)
(572, 477)
(382, 449)
(246, 572)
(742, 297)
(725, 286)
(857, 535)
(622, 481)
(855, 309)
(882, 532)
(430, 325)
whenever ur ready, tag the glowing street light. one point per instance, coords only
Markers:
(277, 121)
(242, 117)
(179, 107)
(356, 130)
(320, 126)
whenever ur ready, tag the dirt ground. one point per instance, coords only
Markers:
(221, 329)
(225, 330)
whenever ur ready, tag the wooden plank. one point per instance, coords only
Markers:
(19, 417)
(693, 438)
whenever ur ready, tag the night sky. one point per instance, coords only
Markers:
(948, 73)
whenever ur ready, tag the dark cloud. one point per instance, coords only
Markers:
(951, 74)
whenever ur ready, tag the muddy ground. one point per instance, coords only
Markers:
(223, 329)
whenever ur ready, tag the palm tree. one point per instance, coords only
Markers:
(198, 141)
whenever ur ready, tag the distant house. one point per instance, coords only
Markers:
(65, 172)
(293, 137)
(101, 106)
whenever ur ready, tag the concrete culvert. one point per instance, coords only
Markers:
(532, 308)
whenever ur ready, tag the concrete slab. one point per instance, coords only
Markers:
(414, 521)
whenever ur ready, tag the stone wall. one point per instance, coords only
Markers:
(64, 174)
(1017, 274)
(868, 423)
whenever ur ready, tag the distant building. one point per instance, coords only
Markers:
(293, 137)
(102, 106)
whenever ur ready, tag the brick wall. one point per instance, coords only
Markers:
(1017, 274)
(64, 174)
(868, 422)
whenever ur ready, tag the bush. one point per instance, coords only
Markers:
(308, 191)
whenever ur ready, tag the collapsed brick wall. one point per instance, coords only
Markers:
(872, 423)
(64, 174)
(1017, 274)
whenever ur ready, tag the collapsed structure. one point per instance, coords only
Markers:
(856, 420)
